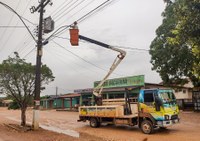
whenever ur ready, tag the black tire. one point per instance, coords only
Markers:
(147, 127)
(94, 123)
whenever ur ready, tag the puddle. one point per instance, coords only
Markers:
(58, 130)
(54, 129)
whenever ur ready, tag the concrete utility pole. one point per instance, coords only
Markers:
(56, 97)
(40, 9)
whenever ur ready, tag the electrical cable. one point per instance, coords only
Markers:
(12, 26)
(92, 11)
(139, 49)
(130, 48)
(81, 18)
(28, 21)
(58, 88)
(77, 70)
(88, 4)
(47, 39)
(61, 7)
(8, 7)
(3, 34)
(82, 66)
(29, 53)
(67, 26)
(58, 18)
(25, 43)
(82, 58)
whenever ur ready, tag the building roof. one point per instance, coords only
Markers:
(114, 89)
(70, 95)
(7, 101)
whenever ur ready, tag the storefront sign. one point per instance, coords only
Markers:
(123, 82)
(83, 90)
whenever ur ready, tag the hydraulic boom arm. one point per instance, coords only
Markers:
(98, 89)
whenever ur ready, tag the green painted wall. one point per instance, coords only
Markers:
(45, 104)
(57, 103)
(67, 103)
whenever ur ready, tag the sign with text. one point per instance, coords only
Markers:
(123, 82)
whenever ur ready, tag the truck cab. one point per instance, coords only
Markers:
(158, 106)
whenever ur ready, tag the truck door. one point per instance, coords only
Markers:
(149, 101)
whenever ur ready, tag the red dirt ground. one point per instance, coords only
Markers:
(186, 130)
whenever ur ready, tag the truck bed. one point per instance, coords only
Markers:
(110, 111)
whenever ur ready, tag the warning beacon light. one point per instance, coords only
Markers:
(74, 34)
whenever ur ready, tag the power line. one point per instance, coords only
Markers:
(130, 48)
(12, 26)
(29, 53)
(92, 11)
(87, 4)
(24, 26)
(20, 47)
(81, 57)
(28, 21)
(8, 7)
(80, 19)
(13, 29)
(77, 70)
(82, 66)
(58, 88)
(62, 7)
(138, 49)
(70, 9)
(9, 20)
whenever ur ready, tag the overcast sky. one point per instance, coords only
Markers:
(125, 23)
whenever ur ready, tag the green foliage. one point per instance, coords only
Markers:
(14, 105)
(17, 80)
(175, 52)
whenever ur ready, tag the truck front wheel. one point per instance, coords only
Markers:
(94, 123)
(147, 127)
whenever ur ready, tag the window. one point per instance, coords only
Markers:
(116, 95)
(148, 97)
(184, 91)
(104, 96)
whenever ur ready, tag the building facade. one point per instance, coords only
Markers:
(115, 89)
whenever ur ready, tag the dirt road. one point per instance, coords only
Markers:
(66, 122)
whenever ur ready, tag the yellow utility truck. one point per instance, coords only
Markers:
(153, 108)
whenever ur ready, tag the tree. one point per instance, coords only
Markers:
(17, 80)
(187, 30)
(175, 50)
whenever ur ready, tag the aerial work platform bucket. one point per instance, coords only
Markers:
(74, 36)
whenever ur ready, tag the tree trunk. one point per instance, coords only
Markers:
(23, 116)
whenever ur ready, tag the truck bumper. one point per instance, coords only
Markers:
(167, 123)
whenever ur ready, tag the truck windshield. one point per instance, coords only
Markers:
(167, 97)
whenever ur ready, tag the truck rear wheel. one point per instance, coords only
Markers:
(94, 123)
(147, 127)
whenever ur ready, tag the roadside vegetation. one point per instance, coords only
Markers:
(175, 52)
(17, 82)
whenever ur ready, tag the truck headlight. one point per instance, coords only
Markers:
(166, 117)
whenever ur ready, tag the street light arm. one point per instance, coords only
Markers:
(8, 7)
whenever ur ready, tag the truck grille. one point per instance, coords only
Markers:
(174, 117)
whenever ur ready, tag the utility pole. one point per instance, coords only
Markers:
(56, 97)
(40, 9)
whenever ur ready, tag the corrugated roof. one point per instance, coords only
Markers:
(70, 95)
